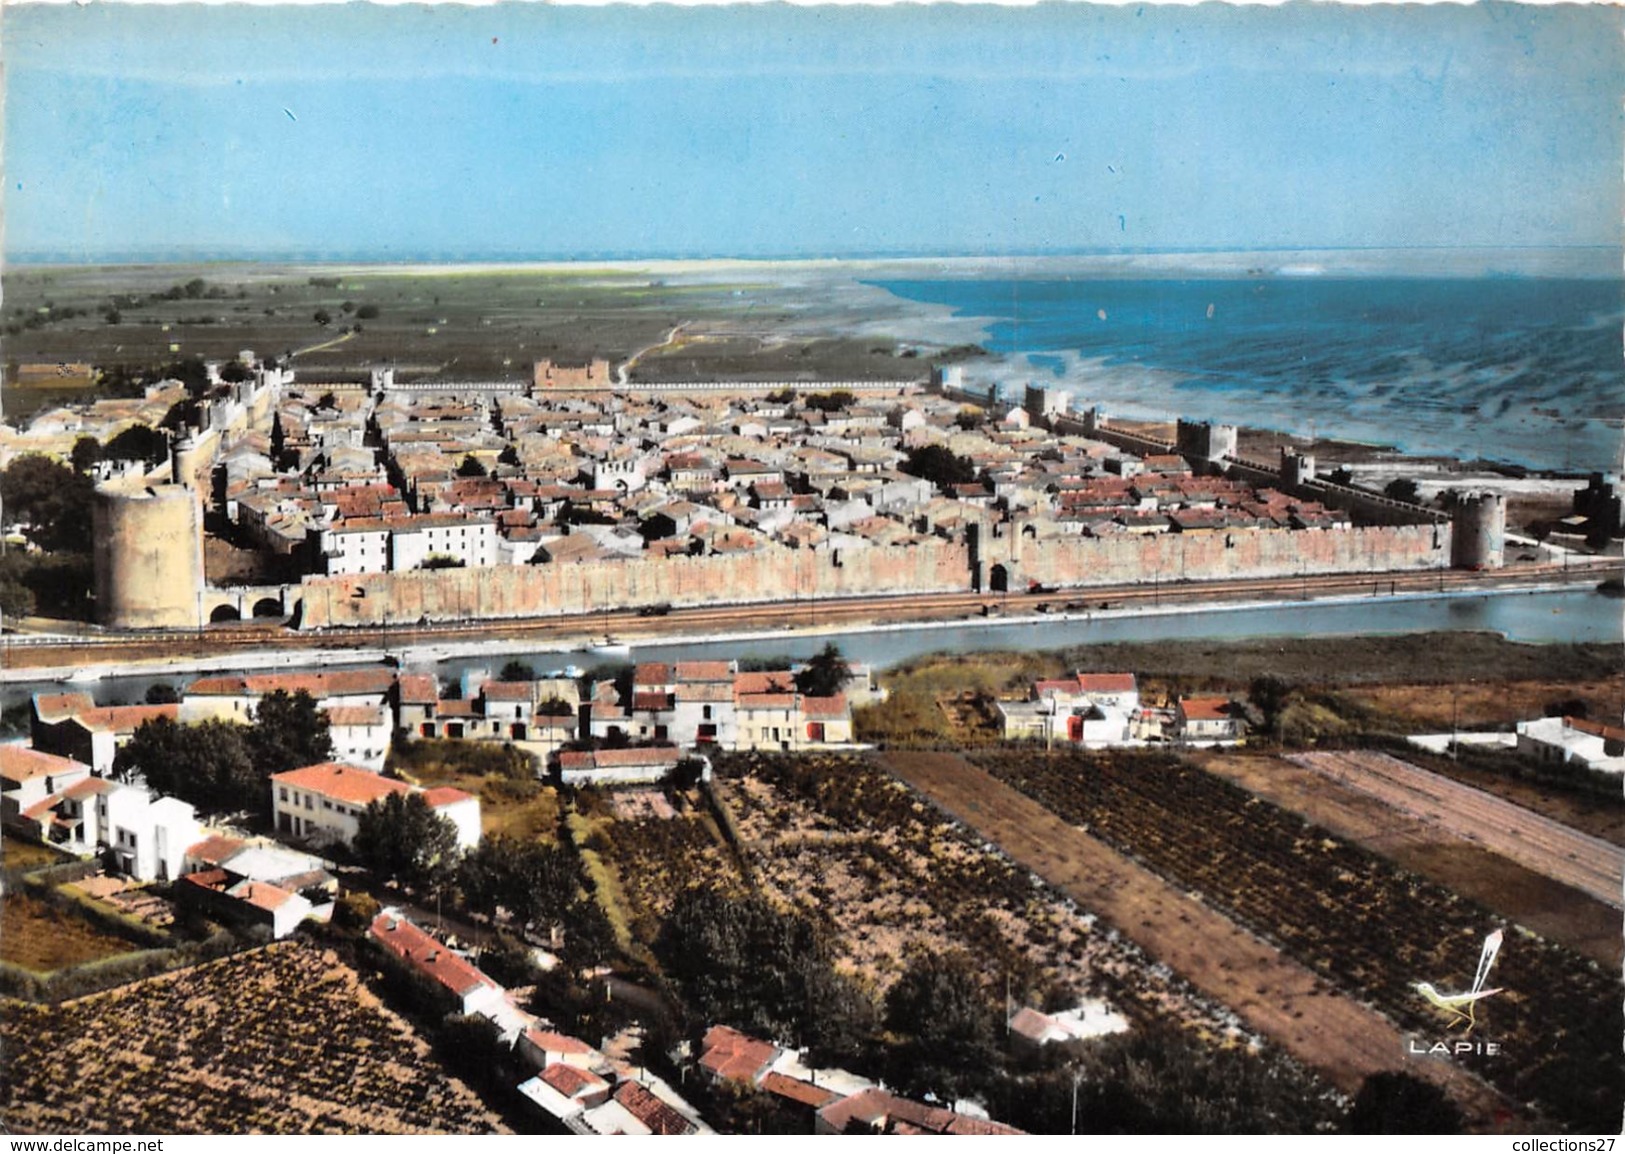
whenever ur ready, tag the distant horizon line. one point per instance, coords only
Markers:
(40, 258)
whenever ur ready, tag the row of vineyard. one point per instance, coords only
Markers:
(1370, 927)
(840, 837)
(279, 1040)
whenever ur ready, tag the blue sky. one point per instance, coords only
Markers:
(531, 131)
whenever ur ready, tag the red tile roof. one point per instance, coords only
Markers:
(824, 706)
(215, 849)
(334, 683)
(261, 895)
(124, 718)
(769, 681)
(19, 763)
(572, 1081)
(876, 1107)
(651, 701)
(418, 689)
(619, 758)
(1106, 682)
(734, 1056)
(553, 1042)
(444, 795)
(651, 1111)
(652, 673)
(705, 670)
(508, 690)
(54, 707)
(340, 782)
(429, 957)
(1205, 708)
(798, 1091)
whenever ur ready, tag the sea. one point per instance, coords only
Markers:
(1515, 370)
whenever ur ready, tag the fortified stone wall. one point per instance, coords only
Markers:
(535, 590)
(1062, 562)
(935, 566)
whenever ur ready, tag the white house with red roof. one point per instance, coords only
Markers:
(323, 803)
(1094, 710)
(30, 782)
(73, 725)
(464, 983)
(147, 837)
(642, 766)
(1207, 721)
(217, 892)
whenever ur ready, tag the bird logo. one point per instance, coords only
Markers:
(1462, 1008)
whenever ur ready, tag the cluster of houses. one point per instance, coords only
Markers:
(832, 1101)
(583, 1088)
(1104, 710)
(357, 473)
(591, 1092)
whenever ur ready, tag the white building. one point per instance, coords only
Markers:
(1574, 741)
(323, 803)
(147, 837)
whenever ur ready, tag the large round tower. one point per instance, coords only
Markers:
(1478, 532)
(148, 555)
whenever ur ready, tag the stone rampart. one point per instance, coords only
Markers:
(772, 574)
(934, 566)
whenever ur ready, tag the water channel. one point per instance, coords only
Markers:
(1540, 617)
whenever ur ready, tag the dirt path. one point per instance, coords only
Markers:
(1275, 996)
(1548, 907)
(1589, 864)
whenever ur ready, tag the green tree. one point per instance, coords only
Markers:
(1402, 489)
(1271, 694)
(743, 961)
(86, 452)
(1392, 1102)
(206, 764)
(162, 693)
(534, 883)
(51, 499)
(471, 467)
(829, 402)
(138, 443)
(234, 372)
(939, 465)
(942, 1011)
(367, 312)
(322, 317)
(517, 671)
(289, 731)
(400, 837)
(826, 674)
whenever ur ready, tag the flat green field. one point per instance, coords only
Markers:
(450, 323)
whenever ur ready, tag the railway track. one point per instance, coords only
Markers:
(24, 650)
(1588, 864)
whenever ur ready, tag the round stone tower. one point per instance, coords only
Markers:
(148, 556)
(1478, 532)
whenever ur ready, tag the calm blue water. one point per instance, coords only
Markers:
(1581, 615)
(1520, 370)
